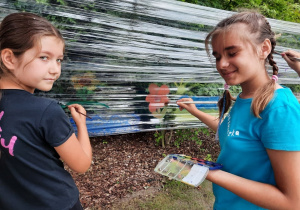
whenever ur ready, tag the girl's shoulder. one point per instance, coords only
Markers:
(283, 97)
(25, 100)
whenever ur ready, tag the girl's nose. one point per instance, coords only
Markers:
(55, 68)
(223, 63)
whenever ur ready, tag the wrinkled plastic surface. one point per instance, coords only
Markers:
(125, 59)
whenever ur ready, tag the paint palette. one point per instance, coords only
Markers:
(186, 169)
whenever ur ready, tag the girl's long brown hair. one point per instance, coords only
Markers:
(260, 30)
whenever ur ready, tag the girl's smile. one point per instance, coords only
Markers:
(227, 74)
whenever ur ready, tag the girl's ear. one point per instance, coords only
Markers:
(8, 58)
(266, 48)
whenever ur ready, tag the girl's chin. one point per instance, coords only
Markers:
(45, 89)
(231, 82)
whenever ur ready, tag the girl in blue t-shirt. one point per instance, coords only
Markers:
(259, 136)
(35, 132)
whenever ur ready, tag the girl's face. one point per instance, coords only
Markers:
(40, 67)
(236, 60)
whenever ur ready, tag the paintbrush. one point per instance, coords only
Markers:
(194, 102)
(65, 106)
(83, 114)
(290, 57)
(198, 102)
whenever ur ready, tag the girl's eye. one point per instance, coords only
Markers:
(60, 60)
(44, 58)
(231, 54)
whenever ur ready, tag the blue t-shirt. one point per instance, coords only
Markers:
(244, 139)
(31, 174)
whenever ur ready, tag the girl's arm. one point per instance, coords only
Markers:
(76, 152)
(285, 195)
(209, 120)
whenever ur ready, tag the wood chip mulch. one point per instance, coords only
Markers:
(124, 164)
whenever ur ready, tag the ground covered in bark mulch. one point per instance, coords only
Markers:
(124, 164)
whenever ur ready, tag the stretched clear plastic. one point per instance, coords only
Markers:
(117, 49)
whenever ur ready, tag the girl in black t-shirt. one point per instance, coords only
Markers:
(35, 132)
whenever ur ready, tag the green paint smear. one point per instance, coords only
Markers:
(65, 105)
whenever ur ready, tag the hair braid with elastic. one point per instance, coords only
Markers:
(270, 57)
(227, 97)
(263, 95)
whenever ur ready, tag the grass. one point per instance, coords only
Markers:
(174, 195)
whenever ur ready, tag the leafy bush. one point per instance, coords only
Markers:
(288, 10)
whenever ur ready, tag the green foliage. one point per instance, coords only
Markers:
(181, 135)
(295, 88)
(42, 1)
(62, 2)
(176, 195)
(189, 135)
(39, 6)
(289, 41)
(159, 137)
(288, 10)
(210, 89)
(208, 3)
(208, 157)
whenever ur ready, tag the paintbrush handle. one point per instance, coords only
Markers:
(199, 102)
(290, 57)
(83, 114)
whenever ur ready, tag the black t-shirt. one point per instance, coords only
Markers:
(31, 174)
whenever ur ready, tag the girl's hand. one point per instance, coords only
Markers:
(209, 120)
(292, 63)
(189, 107)
(78, 113)
(76, 152)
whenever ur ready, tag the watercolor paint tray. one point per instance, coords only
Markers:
(186, 169)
